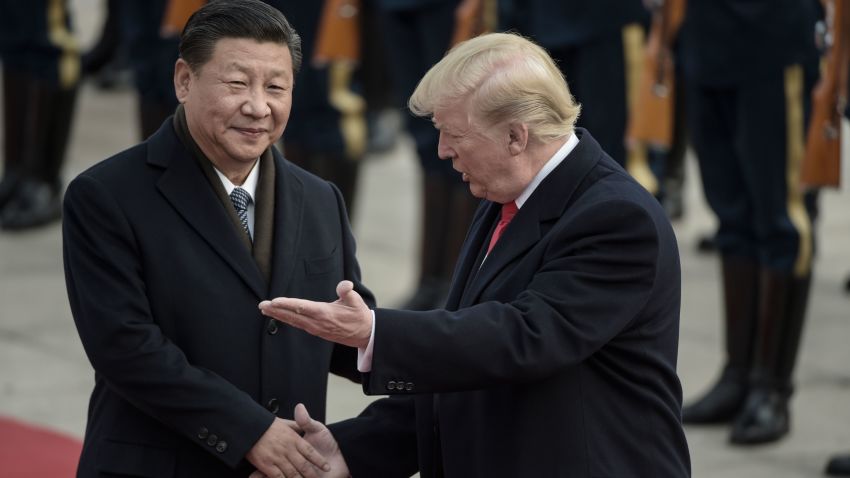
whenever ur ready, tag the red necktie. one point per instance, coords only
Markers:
(508, 212)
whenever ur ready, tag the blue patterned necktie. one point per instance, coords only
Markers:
(241, 199)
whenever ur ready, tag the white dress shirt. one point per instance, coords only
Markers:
(250, 186)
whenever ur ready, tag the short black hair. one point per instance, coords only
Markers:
(250, 19)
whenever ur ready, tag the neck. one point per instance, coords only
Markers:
(541, 153)
(237, 176)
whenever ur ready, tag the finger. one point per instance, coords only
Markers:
(312, 455)
(296, 306)
(344, 287)
(288, 470)
(257, 474)
(293, 425)
(282, 311)
(307, 469)
(298, 467)
(269, 471)
(348, 296)
(302, 418)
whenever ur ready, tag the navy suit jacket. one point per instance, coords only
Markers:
(164, 293)
(555, 358)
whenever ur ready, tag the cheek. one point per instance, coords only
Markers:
(281, 110)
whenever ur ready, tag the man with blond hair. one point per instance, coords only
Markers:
(556, 354)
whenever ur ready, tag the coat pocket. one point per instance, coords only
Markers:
(321, 265)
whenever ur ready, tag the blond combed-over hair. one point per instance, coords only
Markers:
(507, 78)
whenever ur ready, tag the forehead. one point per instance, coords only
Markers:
(453, 115)
(246, 54)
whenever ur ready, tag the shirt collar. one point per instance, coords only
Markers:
(250, 184)
(547, 168)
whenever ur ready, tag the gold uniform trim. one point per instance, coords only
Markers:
(61, 37)
(795, 148)
(351, 107)
(637, 161)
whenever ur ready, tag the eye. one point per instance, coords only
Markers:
(237, 83)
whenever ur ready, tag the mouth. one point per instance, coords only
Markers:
(251, 132)
(463, 175)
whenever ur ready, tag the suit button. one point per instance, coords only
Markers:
(203, 433)
(408, 386)
(273, 405)
(221, 447)
(272, 327)
(212, 440)
(391, 385)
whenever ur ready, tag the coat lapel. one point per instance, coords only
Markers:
(288, 216)
(185, 187)
(546, 204)
(470, 253)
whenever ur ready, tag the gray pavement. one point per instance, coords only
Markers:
(45, 377)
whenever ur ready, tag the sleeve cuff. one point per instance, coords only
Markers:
(364, 356)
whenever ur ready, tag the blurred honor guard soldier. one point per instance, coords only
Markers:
(418, 33)
(152, 56)
(327, 135)
(556, 354)
(594, 43)
(170, 245)
(750, 67)
(41, 70)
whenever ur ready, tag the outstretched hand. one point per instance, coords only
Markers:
(346, 321)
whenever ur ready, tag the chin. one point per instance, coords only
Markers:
(249, 154)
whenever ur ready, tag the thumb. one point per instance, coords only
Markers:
(302, 418)
(347, 295)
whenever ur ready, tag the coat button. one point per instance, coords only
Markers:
(203, 433)
(273, 405)
(212, 440)
(221, 447)
(391, 385)
(408, 386)
(272, 327)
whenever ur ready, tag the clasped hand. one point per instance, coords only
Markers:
(316, 455)
(346, 321)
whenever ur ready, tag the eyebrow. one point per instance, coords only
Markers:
(244, 69)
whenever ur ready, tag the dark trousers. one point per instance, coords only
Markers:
(37, 44)
(749, 139)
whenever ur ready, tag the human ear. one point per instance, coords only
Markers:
(517, 138)
(182, 79)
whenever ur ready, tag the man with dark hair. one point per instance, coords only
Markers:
(170, 245)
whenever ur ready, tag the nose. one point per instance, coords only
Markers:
(256, 105)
